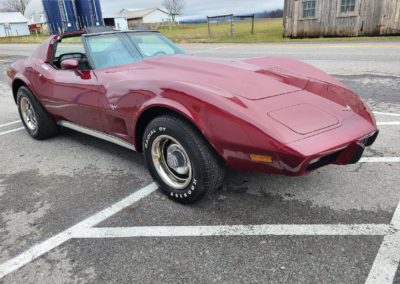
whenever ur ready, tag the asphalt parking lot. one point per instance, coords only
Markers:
(75, 209)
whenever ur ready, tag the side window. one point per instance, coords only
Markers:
(309, 8)
(347, 6)
(70, 48)
(70, 45)
(111, 50)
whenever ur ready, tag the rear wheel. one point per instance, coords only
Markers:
(36, 120)
(180, 160)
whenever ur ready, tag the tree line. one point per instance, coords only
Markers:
(14, 6)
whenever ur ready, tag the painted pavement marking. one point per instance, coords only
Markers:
(10, 123)
(236, 230)
(11, 131)
(44, 247)
(383, 269)
(387, 260)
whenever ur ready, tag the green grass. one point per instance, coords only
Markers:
(266, 30)
(24, 39)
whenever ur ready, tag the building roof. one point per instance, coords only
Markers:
(113, 16)
(12, 17)
(139, 13)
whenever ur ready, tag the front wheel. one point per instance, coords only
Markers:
(180, 160)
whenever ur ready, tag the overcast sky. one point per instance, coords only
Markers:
(196, 8)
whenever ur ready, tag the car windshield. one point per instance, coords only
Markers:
(110, 50)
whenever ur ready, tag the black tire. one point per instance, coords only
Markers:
(206, 167)
(46, 127)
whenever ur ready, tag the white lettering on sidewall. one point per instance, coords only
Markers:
(189, 192)
(192, 187)
(152, 132)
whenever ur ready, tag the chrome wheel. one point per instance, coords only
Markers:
(171, 162)
(28, 114)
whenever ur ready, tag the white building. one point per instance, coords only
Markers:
(139, 18)
(117, 21)
(13, 24)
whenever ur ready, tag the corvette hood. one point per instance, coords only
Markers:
(238, 78)
(287, 106)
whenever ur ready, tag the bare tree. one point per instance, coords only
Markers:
(14, 5)
(174, 7)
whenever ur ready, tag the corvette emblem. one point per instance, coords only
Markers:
(113, 107)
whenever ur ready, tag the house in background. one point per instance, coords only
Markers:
(117, 21)
(13, 24)
(145, 18)
(313, 18)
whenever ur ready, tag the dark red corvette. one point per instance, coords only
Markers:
(190, 116)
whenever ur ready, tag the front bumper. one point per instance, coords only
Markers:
(350, 153)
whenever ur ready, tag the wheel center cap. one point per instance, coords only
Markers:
(172, 161)
(176, 160)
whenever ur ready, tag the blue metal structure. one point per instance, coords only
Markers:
(89, 13)
(69, 15)
(72, 15)
(61, 15)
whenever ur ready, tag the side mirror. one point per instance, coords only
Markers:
(70, 64)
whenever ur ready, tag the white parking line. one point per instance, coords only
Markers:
(11, 131)
(388, 258)
(33, 253)
(84, 230)
(236, 230)
(44, 247)
(388, 253)
(389, 123)
(380, 160)
(386, 113)
(10, 123)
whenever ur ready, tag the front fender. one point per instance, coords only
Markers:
(221, 120)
